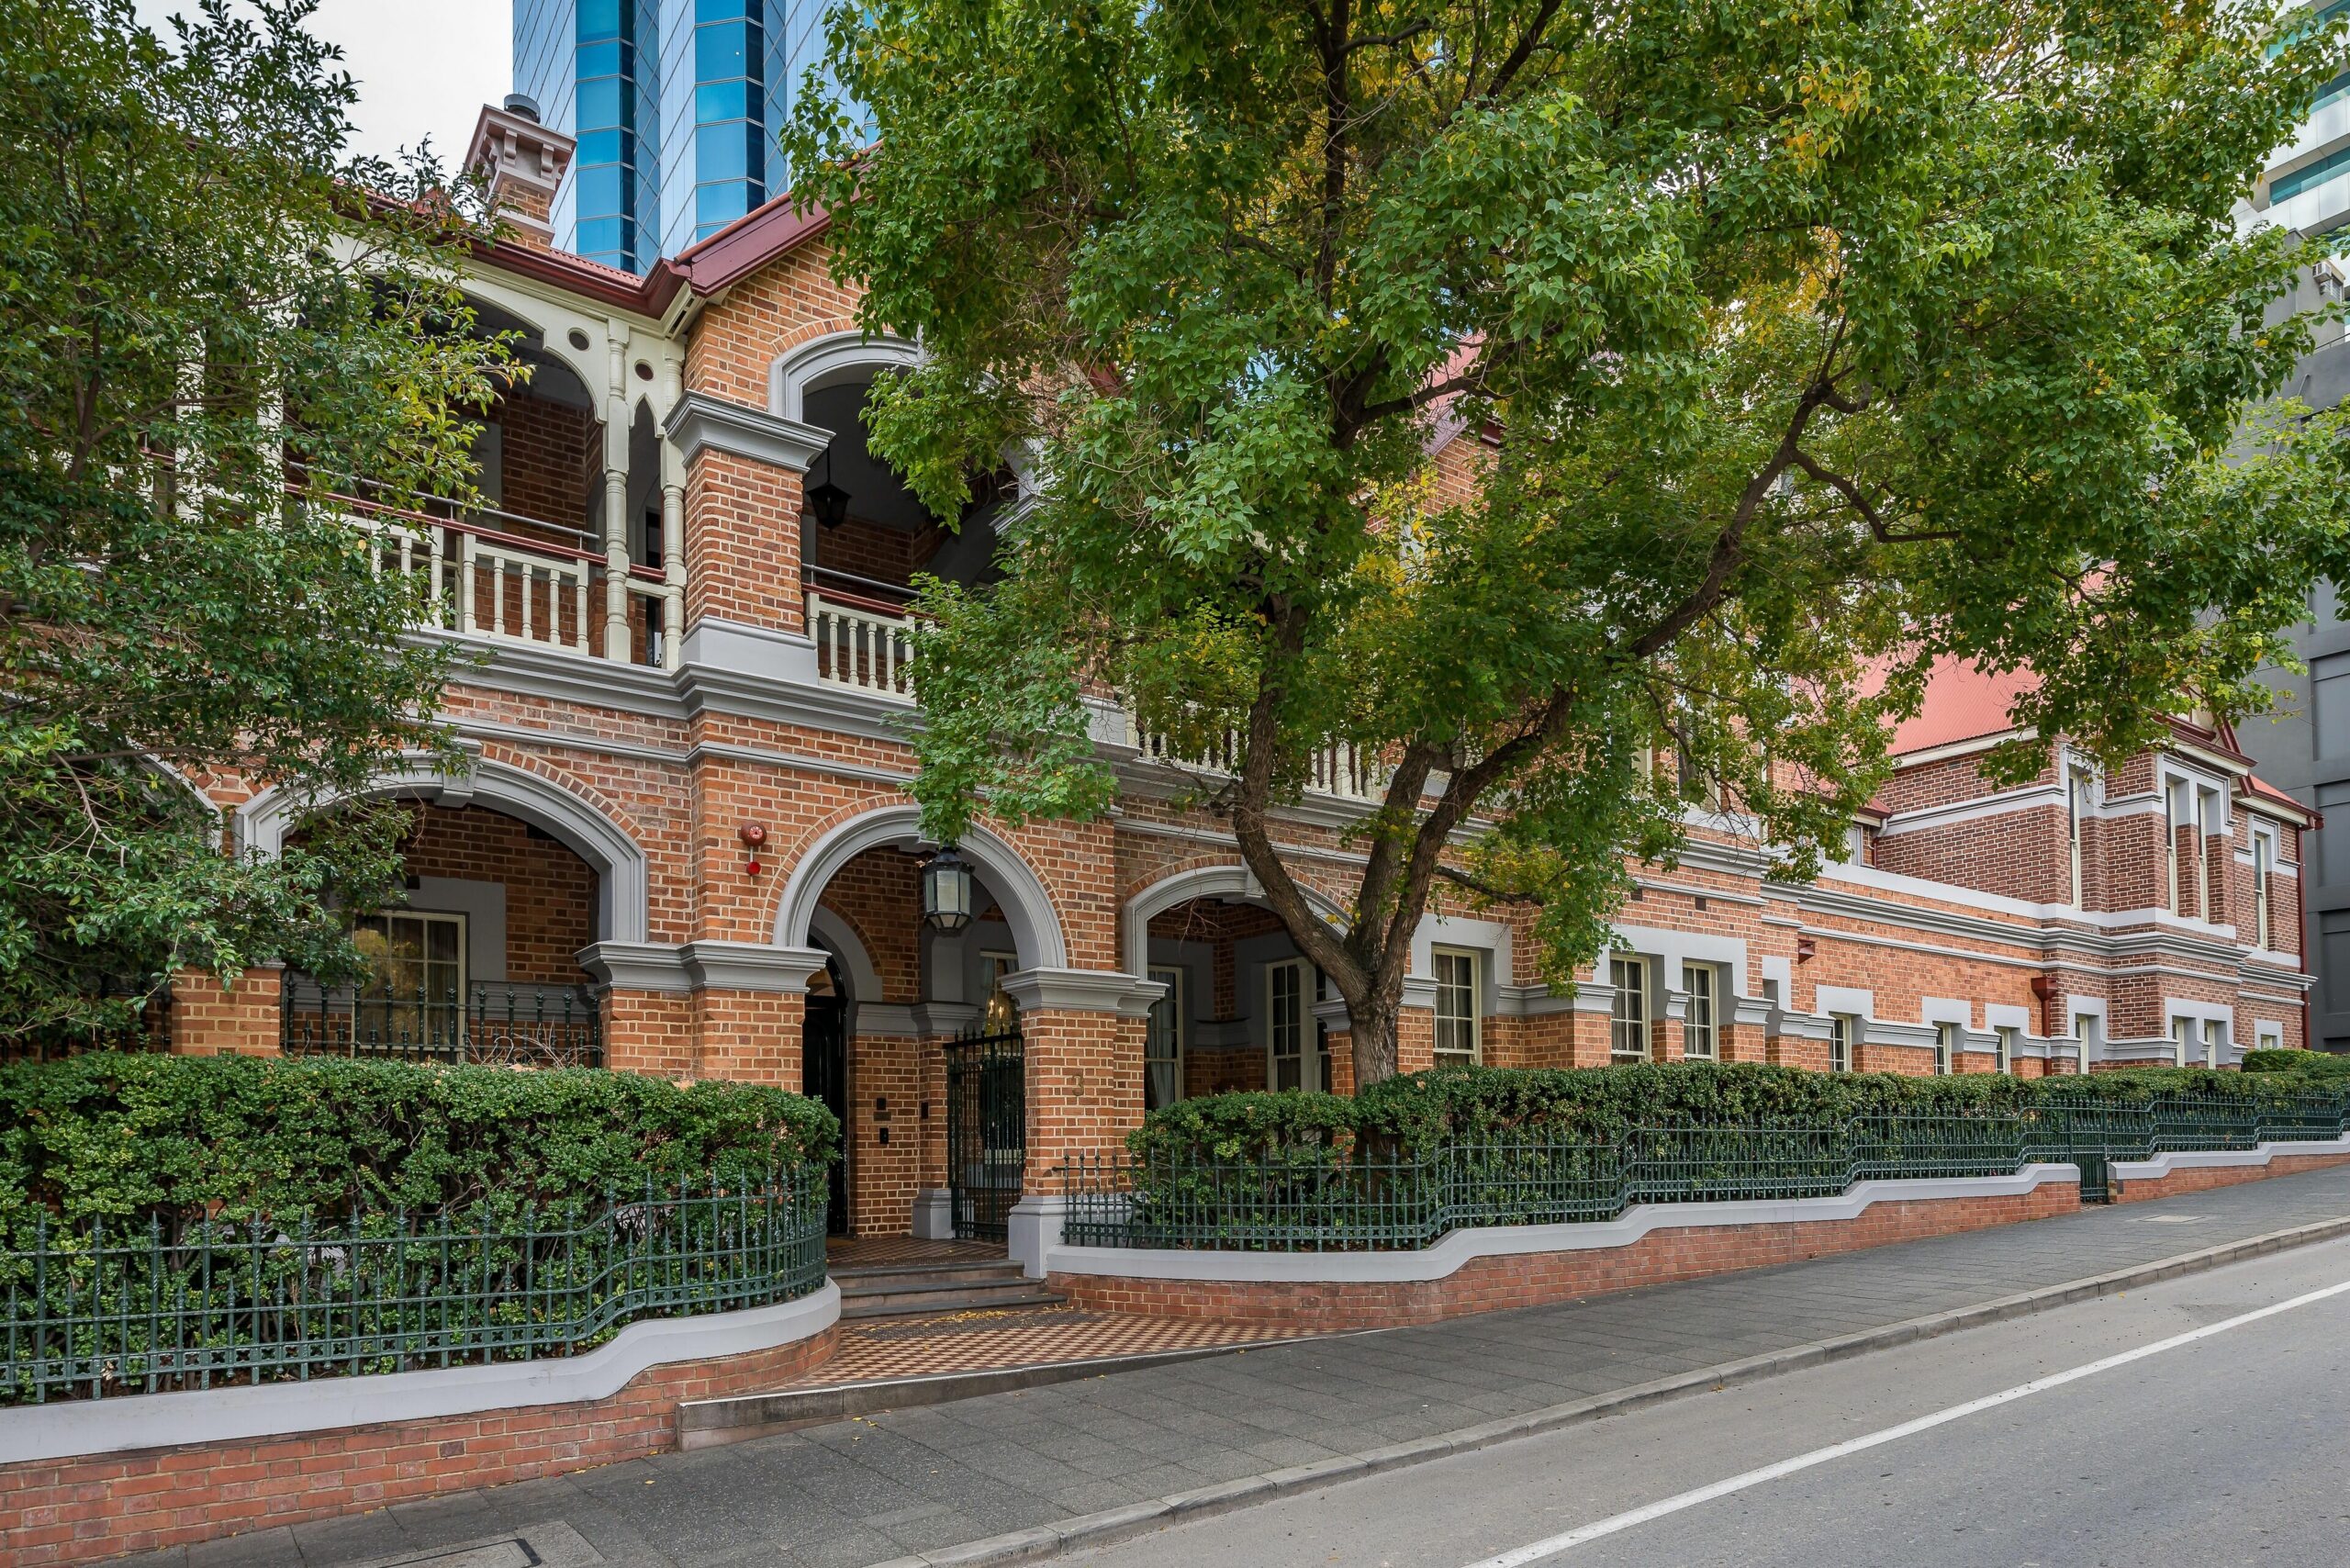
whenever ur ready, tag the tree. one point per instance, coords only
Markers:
(209, 319)
(1797, 347)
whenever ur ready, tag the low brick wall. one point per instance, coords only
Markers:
(79, 1510)
(1493, 1284)
(2203, 1178)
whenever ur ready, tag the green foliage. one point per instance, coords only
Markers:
(1425, 1111)
(127, 1136)
(1817, 345)
(197, 289)
(2314, 1066)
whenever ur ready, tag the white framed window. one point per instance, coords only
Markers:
(1285, 1024)
(1456, 1007)
(1628, 1018)
(2078, 785)
(416, 971)
(2088, 1031)
(2269, 1036)
(1163, 1051)
(1843, 1034)
(2174, 815)
(2005, 1041)
(1945, 1047)
(2215, 1041)
(2182, 1040)
(1001, 1013)
(1701, 1024)
(2263, 867)
(2206, 823)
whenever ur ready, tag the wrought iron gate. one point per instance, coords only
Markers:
(986, 1132)
(824, 1075)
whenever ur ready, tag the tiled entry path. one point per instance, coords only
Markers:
(861, 1492)
(971, 1341)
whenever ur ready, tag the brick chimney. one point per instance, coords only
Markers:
(524, 163)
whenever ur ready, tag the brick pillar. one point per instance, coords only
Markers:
(1082, 1035)
(210, 1019)
(648, 1031)
(1415, 1039)
(887, 1132)
(749, 1036)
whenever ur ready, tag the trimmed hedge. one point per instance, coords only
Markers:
(130, 1137)
(2316, 1067)
(1426, 1109)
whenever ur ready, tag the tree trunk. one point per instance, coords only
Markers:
(1374, 1030)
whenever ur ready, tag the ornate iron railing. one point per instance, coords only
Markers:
(96, 1312)
(986, 1132)
(1324, 1198)
(510, 1025)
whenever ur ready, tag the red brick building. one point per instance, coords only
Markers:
(685, 846)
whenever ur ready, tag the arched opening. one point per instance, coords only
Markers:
(474, 959)
(1236, 1010)
(864, 535)
(906, 993)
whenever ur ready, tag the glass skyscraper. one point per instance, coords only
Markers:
(675, 103)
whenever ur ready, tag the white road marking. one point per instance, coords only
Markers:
(1536, 1551)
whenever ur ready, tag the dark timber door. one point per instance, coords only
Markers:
(824, 1075)
(986, 1132)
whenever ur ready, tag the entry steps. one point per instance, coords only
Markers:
(912, 1289)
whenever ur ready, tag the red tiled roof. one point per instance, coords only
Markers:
(1963, 702)
(705, 267)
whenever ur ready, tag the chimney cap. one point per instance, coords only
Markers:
(524, 106)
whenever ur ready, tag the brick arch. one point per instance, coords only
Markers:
(1206, 880)
(1020, 892)
(801, 367)
(593, 832)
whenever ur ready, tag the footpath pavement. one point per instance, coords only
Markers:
(916, 1484)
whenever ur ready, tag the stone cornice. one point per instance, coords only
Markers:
(1082, 990)
(700, 420)
(701, 965)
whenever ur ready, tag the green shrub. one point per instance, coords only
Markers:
(127, 1138)
(2320, 1066)
(1448, 1105)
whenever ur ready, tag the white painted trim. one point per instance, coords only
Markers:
(794, 375)
(1235, 882)
(700, 422)
(1449, 1255)
(1019, 892)
(2161, 1165)
(262, 824)
(1833, 999)
(232, 1413)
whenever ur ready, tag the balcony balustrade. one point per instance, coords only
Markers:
(505, 1024)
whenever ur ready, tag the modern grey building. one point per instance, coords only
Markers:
(676, 104)
(2303, 748)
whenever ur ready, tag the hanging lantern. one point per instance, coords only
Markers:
(946, 892)
(828, 500)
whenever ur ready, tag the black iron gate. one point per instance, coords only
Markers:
(824, 1075)
(986, 1132)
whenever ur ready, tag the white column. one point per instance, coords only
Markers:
(616, 553)
(672, 529)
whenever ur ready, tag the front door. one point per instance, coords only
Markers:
(824, 1075)
(987, 1133)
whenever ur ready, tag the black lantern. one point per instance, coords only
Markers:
(946, 892)
(828, 500)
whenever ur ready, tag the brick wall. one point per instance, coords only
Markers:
(551, 454)
(83, 1509)
(550, 891)
(1490, 1285)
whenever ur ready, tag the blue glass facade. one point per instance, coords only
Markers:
(675, 103)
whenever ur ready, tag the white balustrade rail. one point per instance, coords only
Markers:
(863, 648)
(486, 584)
(1342, 769)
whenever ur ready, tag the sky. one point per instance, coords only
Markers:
(424, 67)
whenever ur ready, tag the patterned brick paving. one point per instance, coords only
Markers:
(1022, 1337)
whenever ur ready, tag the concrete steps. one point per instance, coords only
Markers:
(909, 1290)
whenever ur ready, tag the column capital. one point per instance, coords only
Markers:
(1082, 991)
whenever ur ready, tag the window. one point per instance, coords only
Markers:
(1628, 1021)
(2004, 1041)
(1843, 1034)
(1003, 1013)
(2173, 808)
(1456, 1007)
(2182, 1038)
(2215, 1040)
(2207, 825)
(2078, 799)
(2263, 866)
(1285, 1024)
(1700, 1031)
(1163, 1051)
(1945, 1047)
(2087, 1028)
(415, 987)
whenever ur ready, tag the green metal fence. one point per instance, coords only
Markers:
(1344, 1199)
(98, 1312)
(501, 1025)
